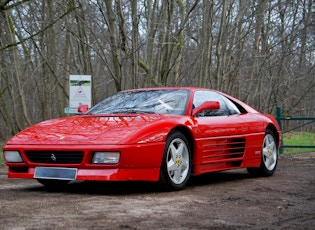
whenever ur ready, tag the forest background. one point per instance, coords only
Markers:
(260, 51)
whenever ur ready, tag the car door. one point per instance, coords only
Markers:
(220, 138)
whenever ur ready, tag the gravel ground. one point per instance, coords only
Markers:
(225, 200)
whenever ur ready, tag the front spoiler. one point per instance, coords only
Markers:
(143, 174)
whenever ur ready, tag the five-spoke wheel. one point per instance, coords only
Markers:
(269, 154)
(269, 157)
(176, 164)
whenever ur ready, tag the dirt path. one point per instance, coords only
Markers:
(226, 200)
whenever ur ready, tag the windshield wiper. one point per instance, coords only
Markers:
(134, 111)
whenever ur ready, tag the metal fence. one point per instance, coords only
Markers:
(280, 119)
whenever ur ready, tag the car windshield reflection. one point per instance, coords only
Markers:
(143, 101)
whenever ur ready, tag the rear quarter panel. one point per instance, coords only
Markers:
(222, 152)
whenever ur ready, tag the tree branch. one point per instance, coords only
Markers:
(38, 32)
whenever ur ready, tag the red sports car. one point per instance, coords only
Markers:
(154, 134)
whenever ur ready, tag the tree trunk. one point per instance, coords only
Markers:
(116, 73)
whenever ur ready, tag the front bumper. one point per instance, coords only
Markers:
(138, 162)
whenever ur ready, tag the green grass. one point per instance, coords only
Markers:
(299, 139)
(1, 154)
(1, 159)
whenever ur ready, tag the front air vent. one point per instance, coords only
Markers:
(55, 157)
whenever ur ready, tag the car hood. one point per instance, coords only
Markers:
(101, 129)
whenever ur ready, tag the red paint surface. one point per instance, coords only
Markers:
(140, 138)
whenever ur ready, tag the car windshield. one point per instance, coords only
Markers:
(144, 101)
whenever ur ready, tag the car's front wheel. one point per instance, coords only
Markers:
(176, 163)
(269, 156)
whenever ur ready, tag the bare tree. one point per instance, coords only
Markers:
(135, 44)
(260, 51)
(115, 52)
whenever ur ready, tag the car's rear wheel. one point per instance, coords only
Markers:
(52, 183)
(269, 156)
(176, 163)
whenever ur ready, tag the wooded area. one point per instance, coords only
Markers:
(260, 51)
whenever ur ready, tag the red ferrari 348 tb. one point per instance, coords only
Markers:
(155, 134)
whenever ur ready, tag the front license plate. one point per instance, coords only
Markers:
(55, 173)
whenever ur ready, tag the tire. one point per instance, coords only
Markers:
(176, 163)
(52, 183)
(269, 156)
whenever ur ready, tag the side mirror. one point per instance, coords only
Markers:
(83, 108)
(207, 105)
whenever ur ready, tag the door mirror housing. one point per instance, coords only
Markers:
(83, 109)
(207, 105)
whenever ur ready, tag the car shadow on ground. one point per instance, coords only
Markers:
(129, 188)
(219, 177)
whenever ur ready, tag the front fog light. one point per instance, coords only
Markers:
(13, 156)
(106, 158)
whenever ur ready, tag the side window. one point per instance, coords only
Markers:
(231, 106)
(202, 96)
